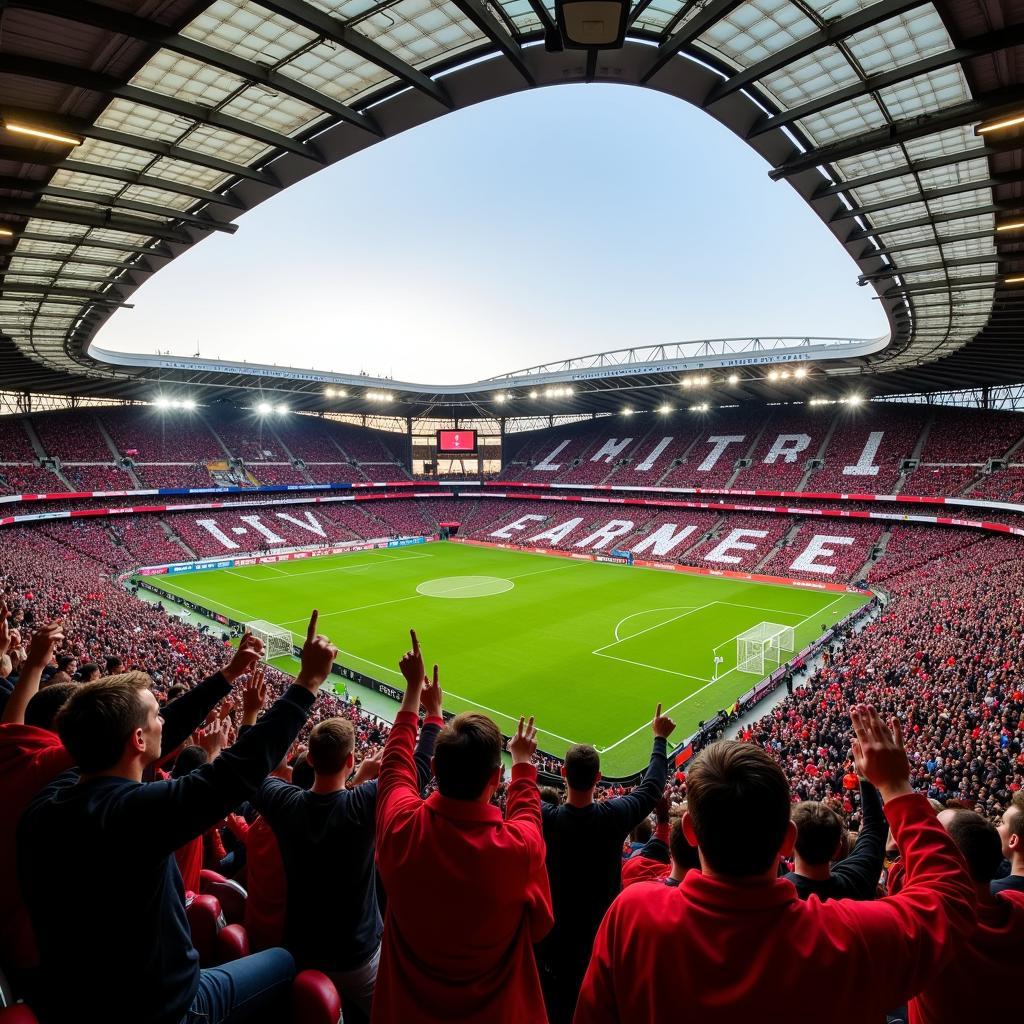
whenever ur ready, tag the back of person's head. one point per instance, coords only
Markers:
(582, 767)
(41, 710)
(87, 673)
(1011, 828)
(978, 841)
(683, 854)
(330, 744)
(550, 795)
(113, 665)
(642, 832)
(303, 775)
(188, 760)
(175, 691)
(819, 831)
(65, 662)
(467, 754)
(99, 719)
(737, 799)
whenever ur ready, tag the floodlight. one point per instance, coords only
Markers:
(627, 412)
(773, 374)
(800, 373)
(499, 399)
(734, 378)
(6, 233)
(41, 133)
(329, 392)
(1010, 225)
(592, 24)
(665, 408)
(1016, 279)
(855, 399)
(162, 402)
(1014, 121)
(687, 383)
(281, 409)
(189, 403)
(264, 408)
(533, 394)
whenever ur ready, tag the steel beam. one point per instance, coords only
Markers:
(699, 23)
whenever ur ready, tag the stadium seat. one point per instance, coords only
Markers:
(315, 1000)
(230, 894)
(232, 943)
(20, 1014)
(204, 921)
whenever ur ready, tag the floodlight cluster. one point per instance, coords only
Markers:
(266, 408)
(565, 392)
(335, 393)
(380, 396)
(163, 402)
(700, 380)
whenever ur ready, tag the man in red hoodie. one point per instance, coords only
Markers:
(973, 984)
(467, 891)
(734, 943)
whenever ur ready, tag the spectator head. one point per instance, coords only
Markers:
(188, 760)
(113, 723)
(978, 841)
(67, 664)
(642, 832)
(550, 795)
(302, 773)
(42, 709)
(582, 768)
(331, 747)
(113, 665)
(684, 856)
(737, 812)
(87, 673)
(1011, 830)
(467, 757)
(819, 832)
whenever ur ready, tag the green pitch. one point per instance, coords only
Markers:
(589, 648)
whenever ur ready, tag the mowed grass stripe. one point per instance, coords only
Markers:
(531, 649)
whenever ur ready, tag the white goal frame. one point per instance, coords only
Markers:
(277, 642)
(763, 645)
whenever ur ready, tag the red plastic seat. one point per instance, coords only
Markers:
(232, 943)
(19, 1014)
(315, 1000)
(231, 895)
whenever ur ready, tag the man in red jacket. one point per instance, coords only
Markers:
(734, 943)
(467, 892)
(973, 984)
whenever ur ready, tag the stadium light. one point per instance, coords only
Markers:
(6, 233)
(42, 133)
(592, 24)
(1016, 279)
(1010, 225)
(162, 402)
(734, 378)
(627, 411)
(533, 394)
(997, 126)
(499, 399)
(800, 373)
(854, 399)
(329, 392)
(188, 403)
(784, 375)
(264, 408)
(686, 382)
(665, 409)
(281, 409)
(773, 374)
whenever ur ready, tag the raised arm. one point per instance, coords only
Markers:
(629, 810)
(40, 651)
(859, 873)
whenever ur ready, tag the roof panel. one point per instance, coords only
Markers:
(756, 29)
(262, 106)
(171, 74)
(894, 43)
(843, 120)
(249, 31)
(818, 74)
(135, 119)
(334, 71)
(926, 93)
(874, 162)
(217, 142)
(188, 173)
(955, 174)
(109, 154)
(420, 31)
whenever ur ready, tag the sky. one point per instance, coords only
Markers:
(553, 223)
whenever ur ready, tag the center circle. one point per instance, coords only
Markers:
(464, 586)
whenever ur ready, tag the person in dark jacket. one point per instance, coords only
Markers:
(96, 855)
(819, 840)
(584, 860)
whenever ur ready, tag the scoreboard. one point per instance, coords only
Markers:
(456, 442)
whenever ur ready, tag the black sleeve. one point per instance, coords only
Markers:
(424, 752)
(166, 815)
(183, 715)
(273, 799)
(654, 849)
(857, 875)
(628, 811)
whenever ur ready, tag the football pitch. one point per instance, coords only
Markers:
(589, 648)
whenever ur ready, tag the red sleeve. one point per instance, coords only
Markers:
(596, 1004)
(523, 819)
(909, 937)
(663, 831)
(238, 826)
(398, 793)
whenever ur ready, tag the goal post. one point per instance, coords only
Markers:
(761, 647)
(277, 642)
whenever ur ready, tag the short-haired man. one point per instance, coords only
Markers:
(820, 837)
(734, 942)
(1011, 836)
(972, 987)
(337, 928)
(584, 860)
(467, 890)
(96, 854)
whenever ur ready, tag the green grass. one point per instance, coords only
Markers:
(589, 648)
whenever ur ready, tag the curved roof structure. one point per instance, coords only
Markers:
(166, 119)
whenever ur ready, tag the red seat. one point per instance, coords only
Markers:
(232, 943)
(230, 894)
(19, 1014)
(204, 920)
(315, 1000)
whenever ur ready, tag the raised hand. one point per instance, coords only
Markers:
(411, 663)
(662, 725)
(879, 752)
(369, 768)
(318, 654)
(245, 659)
(431, 696)
(254, 695)
(43, 643)
(5, 629)
(523, 745)
(661, 808)
(215, 737)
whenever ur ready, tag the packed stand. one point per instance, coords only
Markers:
(149, 434)
(97, 478)
(841, 549)
(971, 435)
(789, 441)
(1002, 485)
(174, 476)
(29, 480)
(72, 437)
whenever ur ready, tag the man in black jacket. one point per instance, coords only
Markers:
(819, 840)
(96, 855)
(336, 927)
(584, 860)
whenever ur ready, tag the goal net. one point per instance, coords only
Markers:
(760, 648)
(277, 642)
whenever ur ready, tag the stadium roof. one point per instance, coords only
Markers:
(169, 118)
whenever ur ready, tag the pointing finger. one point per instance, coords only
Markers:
(415, 642)
(311, 628)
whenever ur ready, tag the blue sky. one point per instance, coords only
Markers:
(553, 223)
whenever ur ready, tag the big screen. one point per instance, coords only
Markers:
(456, 442)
